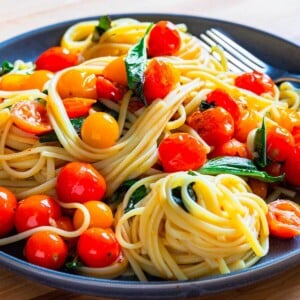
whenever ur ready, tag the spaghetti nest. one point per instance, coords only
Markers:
(190, 225)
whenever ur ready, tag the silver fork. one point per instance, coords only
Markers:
(241, 60)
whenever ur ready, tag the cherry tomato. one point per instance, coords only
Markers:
(100, 130)
(98, 247)
(255, 82)
(164, 39)
(109, 90)
(280, 143)
(284, 218)
(38, 79)
(221, 98)
(274, 168)
(31, 116)
(291, 167)
(181, 152)
(55, 59)
(296, 135)
(160, 79)
(231, 148)
(14, 82)
(8, 205)
(78, 107)
(76, 83)
(36, 210)
(100, 213)
(115, 71)
(46, 249)
(80, 182)
(258, 187)
(215, 125)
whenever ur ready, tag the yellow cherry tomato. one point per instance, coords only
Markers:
(115, 71)
(76, 83)
(100, 130)
(38, 79)
(100, 213)
(14, 82)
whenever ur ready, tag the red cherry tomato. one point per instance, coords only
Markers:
(46, 249)
(284, 218)
(31, 116)
(78, 107)
(231, 148)
(56, 58)
(36, 210)
(98, 247)
(80, 182)
(181, 152)
(255, 82)
(164, 39)
(8, 205)
(160, 79)
(109, 90)
(280, 143)
(215, 125)
(291, 167)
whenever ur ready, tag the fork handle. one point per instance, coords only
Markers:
(291, 77)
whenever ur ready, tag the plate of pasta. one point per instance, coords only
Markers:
(134, 163)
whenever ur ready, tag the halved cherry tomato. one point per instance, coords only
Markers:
(160, 78)
(31, 116)
(77, 83)
(291, 167)
(164, 39)
(215, 125)
(55, 59)
(221, 98)
(36, 210)
(181, 152)
(100, 213)
(80, 182)
(98, 247)
(8, 205)
(38, 79)
(100, 130)
(231, 148)
(280, 143)
(46, 249)
(255, 82)
(115, 71)
(14, 82)
(109, 90)
(78, 107)
(284, 218)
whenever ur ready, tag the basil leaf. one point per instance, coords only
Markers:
(177, 198)
(118, 195)
(136, 196)
(135, 61)
(103, 25)
(260, 146)
(6, 67)
(237, 166)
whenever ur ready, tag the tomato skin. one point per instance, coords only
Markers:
(108, 90)
(78, 107)
(115, 71)
(284, 218)
(55, 59)
(280, 143)
(181, 152)
(291, 167)
(31, 116)
(215, 125)
(35, 211)
(164, 39)
(160, 79)
(98, 247)
(8, 205)
(100, 130)
(255, 82)
(80, 182)
(46, 249)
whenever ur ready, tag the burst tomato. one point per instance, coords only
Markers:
(106, 89)
(231, 148)
(78, 107)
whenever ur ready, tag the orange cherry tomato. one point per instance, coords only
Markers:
(14, 82)
(164, 39)
(100, 130)
(284, 218)
(8, 205)
(31, 116)
(160, 79)
(181, 152)
(115, 71)
(215, 125)
(100, 213)
(36, 210)
(46, 249)
(80, 182)
(38, 79)
(98, 247)
(55, 59)
(109, 90)
(255, 82)
(78, 107)
(76, 83)
(291, 167)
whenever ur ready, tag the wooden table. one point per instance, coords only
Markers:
(275, 16)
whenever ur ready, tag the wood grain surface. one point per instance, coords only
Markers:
(281, 18)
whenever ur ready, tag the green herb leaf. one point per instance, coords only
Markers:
(103, 25)
(176, 195)
(238, 166)
(260, 146)
(6, 67)
(136, 196)
(118, 195)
